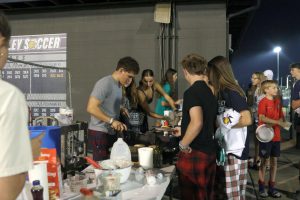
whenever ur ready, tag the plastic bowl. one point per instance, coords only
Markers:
(123, 168)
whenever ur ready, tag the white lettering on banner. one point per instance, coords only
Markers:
(16, 44)
(25, 45)
(43, 43)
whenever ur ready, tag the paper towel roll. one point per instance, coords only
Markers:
(39, 172)
(146, 157)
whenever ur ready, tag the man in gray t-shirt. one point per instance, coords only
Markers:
(104, 106)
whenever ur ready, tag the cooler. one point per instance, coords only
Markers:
(51, 138)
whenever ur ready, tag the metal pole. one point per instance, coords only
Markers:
(278, 67)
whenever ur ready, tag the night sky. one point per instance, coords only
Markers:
(276, 22)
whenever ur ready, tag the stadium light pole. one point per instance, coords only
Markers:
(277, 50)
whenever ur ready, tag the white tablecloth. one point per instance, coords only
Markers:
(133, 190)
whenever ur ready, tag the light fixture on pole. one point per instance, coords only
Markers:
(277, 50)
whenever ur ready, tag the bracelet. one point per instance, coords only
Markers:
(111, 121)
(182, 147)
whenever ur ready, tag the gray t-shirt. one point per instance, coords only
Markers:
(109, 92)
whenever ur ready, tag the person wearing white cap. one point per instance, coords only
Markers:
(269, 74)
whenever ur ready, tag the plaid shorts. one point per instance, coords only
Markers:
(99, 143)
(196, 172)
(235, 177)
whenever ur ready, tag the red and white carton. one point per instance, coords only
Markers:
(53, 171)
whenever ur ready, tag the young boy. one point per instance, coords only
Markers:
(270, 113)
(197, 158)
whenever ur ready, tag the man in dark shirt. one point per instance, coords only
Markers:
(295, 72)
(197, 158)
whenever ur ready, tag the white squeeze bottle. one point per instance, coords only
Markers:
(120, 151)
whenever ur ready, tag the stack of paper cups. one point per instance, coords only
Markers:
(146, 157)
(39, 172)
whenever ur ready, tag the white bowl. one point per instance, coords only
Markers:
(264, 133)
(122, 167)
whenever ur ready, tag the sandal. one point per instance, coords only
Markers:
(274, 194)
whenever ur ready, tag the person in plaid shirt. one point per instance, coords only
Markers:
(197, 159)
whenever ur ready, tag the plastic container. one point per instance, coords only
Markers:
(124, 168)
(120, 151)
(51, 138)
(77, 182)
(37, 190)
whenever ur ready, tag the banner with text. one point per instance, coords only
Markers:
(45, 89)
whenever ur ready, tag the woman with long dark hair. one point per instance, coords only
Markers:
(147, 87)
(230, 95)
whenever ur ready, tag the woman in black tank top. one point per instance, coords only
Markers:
(147, 87)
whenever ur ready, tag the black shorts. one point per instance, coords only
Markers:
(269, 149)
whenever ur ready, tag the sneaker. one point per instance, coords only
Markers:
(274, 194)
(258, 163)
(263, 194)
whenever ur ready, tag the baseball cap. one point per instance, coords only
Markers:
(268, 74)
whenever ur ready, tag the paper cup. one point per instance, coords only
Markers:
(146, 157)
(287, 125)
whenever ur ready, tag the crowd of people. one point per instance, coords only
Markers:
(213, 102)
(213, 90)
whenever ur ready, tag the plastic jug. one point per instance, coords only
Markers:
(120, 151)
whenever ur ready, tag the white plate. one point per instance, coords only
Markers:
(264, 133)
